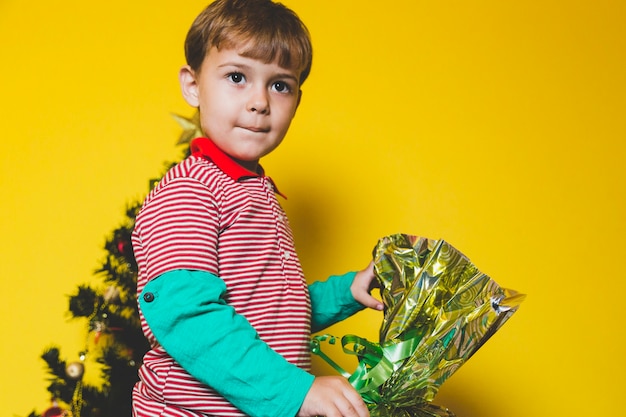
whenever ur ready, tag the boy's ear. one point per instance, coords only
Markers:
(188, 85)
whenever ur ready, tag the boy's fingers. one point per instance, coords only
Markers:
(373, 303)
(357, 407)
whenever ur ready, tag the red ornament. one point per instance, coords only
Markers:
(54, 411)
(121, 247)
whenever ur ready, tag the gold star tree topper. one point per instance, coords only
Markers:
(191, 127)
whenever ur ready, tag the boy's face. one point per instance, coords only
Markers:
(246, 105)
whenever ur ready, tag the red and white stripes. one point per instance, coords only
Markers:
(200, 218)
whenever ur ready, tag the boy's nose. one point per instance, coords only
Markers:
(258, 102)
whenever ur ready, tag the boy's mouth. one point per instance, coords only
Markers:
(256, 129)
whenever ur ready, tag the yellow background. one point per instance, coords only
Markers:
(498, 126)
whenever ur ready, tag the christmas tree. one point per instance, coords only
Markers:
(114, 337)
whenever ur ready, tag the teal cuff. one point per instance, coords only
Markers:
(332, 301)
(187, 314)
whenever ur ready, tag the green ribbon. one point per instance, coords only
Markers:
(376, 363)
(317, 349)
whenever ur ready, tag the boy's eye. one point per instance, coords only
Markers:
(236, 77)
(281, 87)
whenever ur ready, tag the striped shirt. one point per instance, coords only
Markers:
(210, 214)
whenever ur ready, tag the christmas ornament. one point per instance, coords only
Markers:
(122, 247)
(55, 411)
(98, 327)
(191, 127)
(75, 370)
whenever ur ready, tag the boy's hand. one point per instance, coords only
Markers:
(363, 283)
(333, 396)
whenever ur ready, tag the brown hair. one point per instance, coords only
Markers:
(267, 30)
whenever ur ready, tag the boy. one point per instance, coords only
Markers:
(221, 292)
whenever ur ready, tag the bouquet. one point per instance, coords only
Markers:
(439, 310)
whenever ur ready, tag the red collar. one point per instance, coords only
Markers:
(205, 148)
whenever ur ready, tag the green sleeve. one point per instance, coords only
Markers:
(188, 316)
(332, 301)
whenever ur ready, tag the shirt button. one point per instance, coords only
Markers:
(148, 297)
(287, 256)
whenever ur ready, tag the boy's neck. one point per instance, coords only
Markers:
(252, 166)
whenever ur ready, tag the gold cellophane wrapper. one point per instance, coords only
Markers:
(439, 310)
